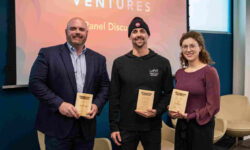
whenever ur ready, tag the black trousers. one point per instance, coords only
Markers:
(192, 136)
(151, 140)
(73, 143)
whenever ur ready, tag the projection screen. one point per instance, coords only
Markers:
(42, 23)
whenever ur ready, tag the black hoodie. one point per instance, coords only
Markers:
(131, 73)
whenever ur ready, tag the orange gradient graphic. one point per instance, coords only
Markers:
(42, 23)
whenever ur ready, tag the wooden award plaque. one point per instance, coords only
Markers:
(178, 101)
(145, 100)
(83, 103)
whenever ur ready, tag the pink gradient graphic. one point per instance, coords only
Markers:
(41, 23)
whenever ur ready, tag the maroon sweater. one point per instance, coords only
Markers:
(203, 86)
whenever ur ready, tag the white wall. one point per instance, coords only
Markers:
(247, 51)
(239, 17)
(241, 65)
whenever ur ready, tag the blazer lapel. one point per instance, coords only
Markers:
(65, 54)
(89, 70)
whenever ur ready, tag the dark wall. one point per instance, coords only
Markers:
(18, 107)
(220, 48)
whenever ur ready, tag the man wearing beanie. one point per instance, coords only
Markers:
(141, 68)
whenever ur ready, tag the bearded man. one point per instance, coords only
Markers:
(140, 69)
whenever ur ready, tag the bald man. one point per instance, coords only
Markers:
(57, 75)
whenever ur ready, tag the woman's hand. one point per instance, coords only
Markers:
(177, 115)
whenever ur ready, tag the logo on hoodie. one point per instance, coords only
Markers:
(154, 72)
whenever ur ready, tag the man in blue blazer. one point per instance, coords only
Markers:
(57, 75)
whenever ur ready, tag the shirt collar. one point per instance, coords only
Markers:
(73, 50)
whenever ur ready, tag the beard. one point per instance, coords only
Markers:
(139, 44)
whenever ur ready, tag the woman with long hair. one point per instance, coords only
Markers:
(195, 128)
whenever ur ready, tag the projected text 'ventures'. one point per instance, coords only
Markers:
(132, 5)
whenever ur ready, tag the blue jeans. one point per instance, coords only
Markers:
(72, 143)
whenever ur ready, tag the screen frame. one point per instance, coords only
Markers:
(11, 77)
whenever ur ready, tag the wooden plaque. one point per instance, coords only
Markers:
(83, 103)
(178, 101)
(145, 100)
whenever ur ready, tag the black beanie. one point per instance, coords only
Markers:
(137, 22)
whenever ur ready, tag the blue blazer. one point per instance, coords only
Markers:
(52, 81)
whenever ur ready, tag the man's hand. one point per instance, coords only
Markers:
(68, 110)
(150, 113)
(116, 138)
(92, 113)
